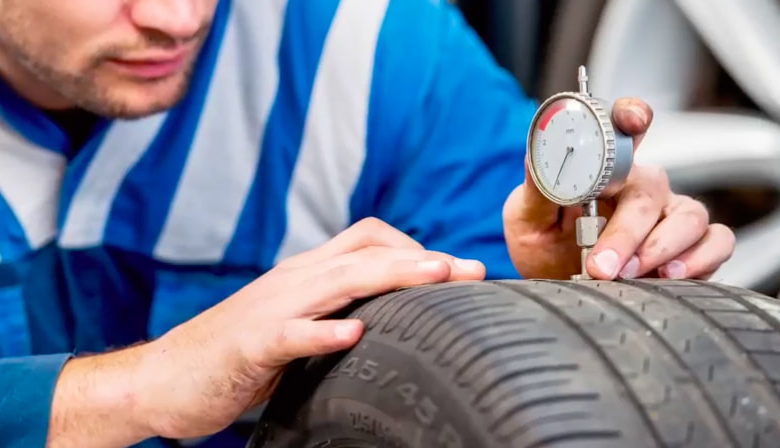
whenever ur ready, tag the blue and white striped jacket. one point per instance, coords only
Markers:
(303, 117)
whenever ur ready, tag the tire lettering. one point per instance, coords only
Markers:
(368, 371)
(449, 438)
(387, 379)
(426, 411)
(408, 392)
(350, 367)
(334, 372)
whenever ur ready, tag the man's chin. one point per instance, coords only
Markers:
(134, 111)
(137, 100)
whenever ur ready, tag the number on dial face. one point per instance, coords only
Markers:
(567, 149)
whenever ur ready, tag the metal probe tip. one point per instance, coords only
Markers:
(582, 78)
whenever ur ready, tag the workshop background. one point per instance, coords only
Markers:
(709, 68)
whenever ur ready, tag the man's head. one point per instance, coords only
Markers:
(116, 58)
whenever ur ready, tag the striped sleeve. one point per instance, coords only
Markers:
(446, 135)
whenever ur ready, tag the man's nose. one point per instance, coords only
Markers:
(179, 19)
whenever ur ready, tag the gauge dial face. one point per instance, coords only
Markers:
(567, 150)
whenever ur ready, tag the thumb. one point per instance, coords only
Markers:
(632, 116)
(300, 338)
(528, 207)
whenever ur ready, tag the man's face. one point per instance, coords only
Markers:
(116, 58)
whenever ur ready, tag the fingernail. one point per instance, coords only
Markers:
(429, 265)
(639, 112)
(607, 262)
(343, 331)
(468, 265)
(675, 270)
(631, 269)
(630, 113)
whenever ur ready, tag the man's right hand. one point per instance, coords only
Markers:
(202, 375)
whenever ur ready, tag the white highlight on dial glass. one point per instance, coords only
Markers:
(567, 150)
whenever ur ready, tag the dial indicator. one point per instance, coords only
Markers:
(574, 154)
(566, 153)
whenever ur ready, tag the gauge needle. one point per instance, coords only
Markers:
(569, 151)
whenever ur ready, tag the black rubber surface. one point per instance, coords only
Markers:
(543, 364)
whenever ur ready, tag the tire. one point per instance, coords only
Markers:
(543, 364)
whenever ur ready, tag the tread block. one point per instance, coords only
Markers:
(758, 340)
(739, 320)
(715, 304)
(770, 362)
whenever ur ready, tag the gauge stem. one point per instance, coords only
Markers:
(590, 208)
(582, 78)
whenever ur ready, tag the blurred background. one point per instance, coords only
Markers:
(709, 68)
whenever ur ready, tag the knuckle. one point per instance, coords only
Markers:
(654, 175)
(438, 256)
(371, 254)
(370, 225)
(700, 209)
(652, 249)
(642, 200)
(659, 177)
(698, 218)
(341, 274)
(281, 337)
(724, 232)
(349, 282)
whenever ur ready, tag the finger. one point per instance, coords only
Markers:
(632, 116)
(527, 209)
(335, 288)
(704, 257)
(300, 338)
(638, 210)
(706, 276)
(460, 269)
(365, 233)
(685, 224)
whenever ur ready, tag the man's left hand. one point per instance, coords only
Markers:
(651, 230)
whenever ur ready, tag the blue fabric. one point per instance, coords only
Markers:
(261, 227)
(14, 333)
(446, 136)
(26, 388)
(444, 147)
(145, 194)
(13, 242)
(77, 167)
(182, 294)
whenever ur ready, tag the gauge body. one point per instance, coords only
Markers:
(574, 152)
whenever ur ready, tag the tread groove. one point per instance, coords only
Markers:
(600, 353)
(691, 376)
(766, 317)
(420, 323)
(523, 388)
(736, 346)
(449, 317)
(547, 419)
(506, 360)
(541, 401)
(488, 350)
(524, 372)
(570, 436)
(472, 331)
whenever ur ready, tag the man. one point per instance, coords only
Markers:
(156, 156)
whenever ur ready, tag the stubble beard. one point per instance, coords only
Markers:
(85, 90)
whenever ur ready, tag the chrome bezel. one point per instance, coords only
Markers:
(596, 107)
